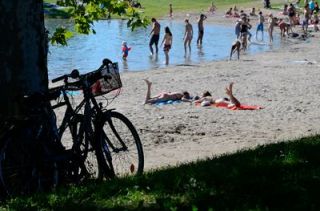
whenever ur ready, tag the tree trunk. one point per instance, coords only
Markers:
(23, 53)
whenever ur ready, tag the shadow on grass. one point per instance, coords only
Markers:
(283, 176)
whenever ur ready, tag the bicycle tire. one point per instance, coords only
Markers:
(83, 164)
(120, 144)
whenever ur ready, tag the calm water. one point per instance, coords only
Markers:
(86, 52)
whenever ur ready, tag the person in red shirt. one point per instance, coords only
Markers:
(125, 50)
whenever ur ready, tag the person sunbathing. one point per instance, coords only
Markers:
(229, 12)
(165, 96)
(207, 99)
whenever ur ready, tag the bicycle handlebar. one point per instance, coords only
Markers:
(94, 75)
(74, 74)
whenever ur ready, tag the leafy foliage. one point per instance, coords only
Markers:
(60, 36)
(85, 12)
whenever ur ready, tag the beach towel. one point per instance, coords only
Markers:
(168, 102)
(73, 93)
(241, 107)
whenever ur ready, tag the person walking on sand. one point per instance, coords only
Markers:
(260, 25)
(167, 41)
(188, 34)
(155, 35)
(165, 96)
(201, 29)
(271, 24)
(170, 11)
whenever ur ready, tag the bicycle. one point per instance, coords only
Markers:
(116, 135)
(43, 163)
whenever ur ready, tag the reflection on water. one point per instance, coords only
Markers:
(86, 52)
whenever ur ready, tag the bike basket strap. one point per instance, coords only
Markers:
(110, 80)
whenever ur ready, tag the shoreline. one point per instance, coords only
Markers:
(281, 81)
(174, 134)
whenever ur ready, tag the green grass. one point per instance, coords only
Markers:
(160, 8)
(283, 176)
(51, 1)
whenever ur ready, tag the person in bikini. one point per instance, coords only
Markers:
(244, 33)
(207, 99)
(188, 34)
(271, 24)
(167, 41)
(165, 96)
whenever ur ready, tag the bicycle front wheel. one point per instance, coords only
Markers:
(121, 145)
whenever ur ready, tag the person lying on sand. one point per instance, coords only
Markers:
(165, 96)
(207, 99)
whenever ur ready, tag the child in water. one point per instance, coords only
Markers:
(125, 50)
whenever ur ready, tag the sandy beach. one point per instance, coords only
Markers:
(285, 82)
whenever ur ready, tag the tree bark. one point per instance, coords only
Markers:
(23, 53)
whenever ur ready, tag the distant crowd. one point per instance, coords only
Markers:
(286, 20)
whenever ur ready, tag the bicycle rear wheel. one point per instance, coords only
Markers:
(121, 144)
(84, 163)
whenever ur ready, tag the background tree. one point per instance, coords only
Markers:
(23, 42)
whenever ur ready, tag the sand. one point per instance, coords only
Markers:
(285, 82)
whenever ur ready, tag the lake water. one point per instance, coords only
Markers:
(86, 52)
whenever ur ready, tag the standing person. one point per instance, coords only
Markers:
(292, 14)
(170, 10)
(316, 7)
(155, 35)
(237, 28)
(125, 50)
(201, 28)
(244, 32)
(249, 27)
(260, 25)
(167, 41)
(306, 14)
(188, 34)
(271, 25)
(311, 6)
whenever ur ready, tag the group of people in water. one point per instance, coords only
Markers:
(168, 39)
(288, 19)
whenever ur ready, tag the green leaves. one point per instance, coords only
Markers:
(85, 12)
(60, 36)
